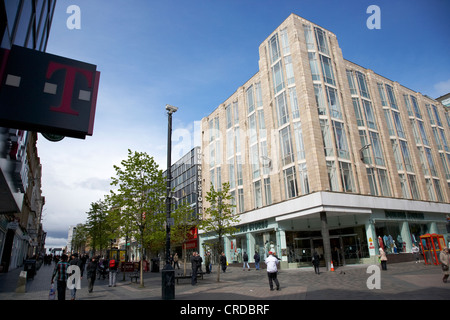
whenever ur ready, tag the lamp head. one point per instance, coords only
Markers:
(171, 109)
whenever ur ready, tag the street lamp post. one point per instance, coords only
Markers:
(168, 273)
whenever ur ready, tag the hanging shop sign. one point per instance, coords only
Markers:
(47, 93)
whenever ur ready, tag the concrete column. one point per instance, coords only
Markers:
(250, 246)
(326, 240)
(406, 235)
(281, 246)
(371, 238)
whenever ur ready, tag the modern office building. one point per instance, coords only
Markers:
(325, 155)
(24, 23)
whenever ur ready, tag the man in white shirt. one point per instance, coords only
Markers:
(272, 270)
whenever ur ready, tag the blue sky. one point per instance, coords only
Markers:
(194, 55)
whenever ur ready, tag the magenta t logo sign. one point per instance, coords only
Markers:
(71, 72)
(47, 93)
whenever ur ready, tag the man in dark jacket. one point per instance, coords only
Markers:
(91, 271)
(257, 260)
(196, 261)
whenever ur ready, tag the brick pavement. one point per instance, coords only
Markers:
(402, 281)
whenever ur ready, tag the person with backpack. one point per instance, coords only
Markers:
(113, 264)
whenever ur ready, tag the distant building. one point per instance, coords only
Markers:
(325, 155)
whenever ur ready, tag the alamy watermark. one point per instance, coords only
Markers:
(374, 21)
(374, 280)
(74, 20)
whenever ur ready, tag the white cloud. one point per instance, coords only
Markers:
(442, 88)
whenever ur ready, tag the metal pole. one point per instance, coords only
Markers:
(168, 273)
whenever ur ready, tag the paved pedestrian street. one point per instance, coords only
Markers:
(402, 281)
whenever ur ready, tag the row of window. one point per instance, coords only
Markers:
(28, 23)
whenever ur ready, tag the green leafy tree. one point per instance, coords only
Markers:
(97, 226)
(140, 187)
(218, 218)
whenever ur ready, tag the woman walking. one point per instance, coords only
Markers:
(91, 270)
(383, 259)
(445, 260)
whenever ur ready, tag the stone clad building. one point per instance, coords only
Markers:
(325, 155)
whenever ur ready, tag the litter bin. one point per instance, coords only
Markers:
(30, 268)
(155, 265)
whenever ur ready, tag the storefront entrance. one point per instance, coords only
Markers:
(345, 249)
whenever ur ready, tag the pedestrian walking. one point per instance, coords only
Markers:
(444, 257)
(257, 260)
(175, 261)
(223, 262)
(272, 270)
(195, 264)
(415, 250)
(60, 273)
(113, 264)
(383, 259)
(315, 262)
(245, 257)
(91, 271)
(75, 261)
(208, 262)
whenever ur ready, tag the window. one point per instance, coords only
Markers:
(299, 141)
(384, 182)
(250, 100)
(358, 114)
(370, 117)
(404, 186)
(289, 70)
(259, 99)
(351, 82)
(366, 156)
(436, 114)
(274, 48)
(387, 115)
(341, 140)
(382, 95)
(376, 147)
(333, 103)
(267, 191)
(290, 183)
(406, 156)
(327, 70)
(417, 112)
(321, 39)
(391, 97)
(229, 116)
(398, 124)
(363, 90)
(309, 37)
(397, 155)
(287, 155)
(282, 109)
(372, 181)
(326, 135)
(321, 107)
(303, 178)
(241, 200)
(258, 194)
(423, 134)
(294, 103)
(314, 66)
(285, 41)
(332, 176)
(347, 176)
(408, 105)
(254, 154)
(278, 82)
(430, 162)
(413, 186)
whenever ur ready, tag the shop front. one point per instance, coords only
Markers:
(341, 229)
